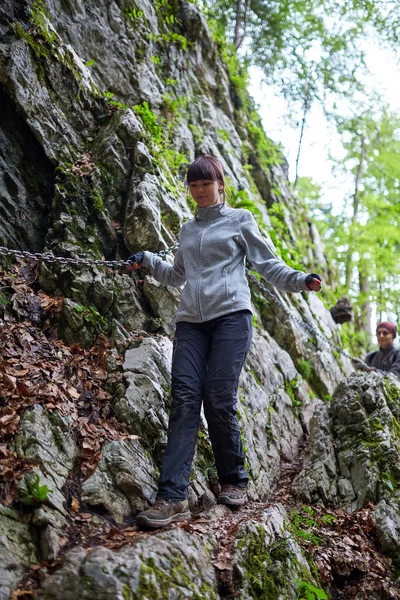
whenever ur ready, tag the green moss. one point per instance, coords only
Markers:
(291, 388)
(223, 134)
(127, 592)
(157, 583)
(257, 379)
(305, 369)
(257, 567)
(39, 49)
(150, 121)
(97, 201)
(392, 391)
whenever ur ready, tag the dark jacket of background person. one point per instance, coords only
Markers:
(385, 361)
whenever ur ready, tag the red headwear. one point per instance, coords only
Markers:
(389, 326)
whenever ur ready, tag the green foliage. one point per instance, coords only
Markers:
(89, 63)
(307, 591)
(174, 107)
(362, 243)
(150, 121)
(5, 300)
(291, 388)
(97, 201)
(303, 524)
(132, 13)
(241, 199)
(92, 319)
(175, 38)
(305, 369)
(175, 160)
(308, 49)
(35, 493)
(223, 134)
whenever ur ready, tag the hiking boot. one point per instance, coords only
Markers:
(232, 495)
(164, 512)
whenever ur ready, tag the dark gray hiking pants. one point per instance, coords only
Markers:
(206, 365)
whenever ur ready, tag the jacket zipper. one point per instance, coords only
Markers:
(200, 269)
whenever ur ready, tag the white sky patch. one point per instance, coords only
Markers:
(320, 139)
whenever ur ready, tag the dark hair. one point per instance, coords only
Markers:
(206, 167)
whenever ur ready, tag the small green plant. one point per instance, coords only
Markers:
(97, 201)
(223, 134)
(387, 480)
(93, 320)
(303, 523)
(328, 519)
(35, 493)
(155, 59)
(175, 38)
(307, 591)
(89, 63)
(305, 369)
(291, 388)
(4, 299)
(133, 13)
(150, 121)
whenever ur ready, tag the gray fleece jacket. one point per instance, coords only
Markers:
(213, 248)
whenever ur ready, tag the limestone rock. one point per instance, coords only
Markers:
(352, 455)
(142, 219)
(48, 523)
(147, 371)
(164, 301)
(173, 564)
(267, 558)
(387, 525)
(17, 550)
(318, 478)
(124, 480)
(45, 440)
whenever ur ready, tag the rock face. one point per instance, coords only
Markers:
(174, 564)
(267, 560)
(353, 453)
(17, 550)
(353, 450)
(103, 105)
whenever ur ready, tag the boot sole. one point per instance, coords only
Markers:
(145, 521)
(224, 499)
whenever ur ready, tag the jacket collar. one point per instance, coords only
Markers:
(386, 350)
(210, 213)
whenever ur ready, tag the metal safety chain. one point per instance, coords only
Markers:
(88, 262)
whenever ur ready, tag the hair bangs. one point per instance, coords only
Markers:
(205, 167)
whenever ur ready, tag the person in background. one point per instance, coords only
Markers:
(387, 358)
(212, 338)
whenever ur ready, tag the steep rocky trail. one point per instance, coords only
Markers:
(103, 106)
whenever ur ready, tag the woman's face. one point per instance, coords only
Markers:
(384, 337)
(206, 192)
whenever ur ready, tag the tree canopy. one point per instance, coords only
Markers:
(310, 48)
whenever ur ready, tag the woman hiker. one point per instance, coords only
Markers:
(213, 334)
(387, 358)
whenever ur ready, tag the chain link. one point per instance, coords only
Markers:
(88, 262)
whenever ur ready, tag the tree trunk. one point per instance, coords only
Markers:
(242, 10)
(356, 204)
(364, 281)
(306, 108)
